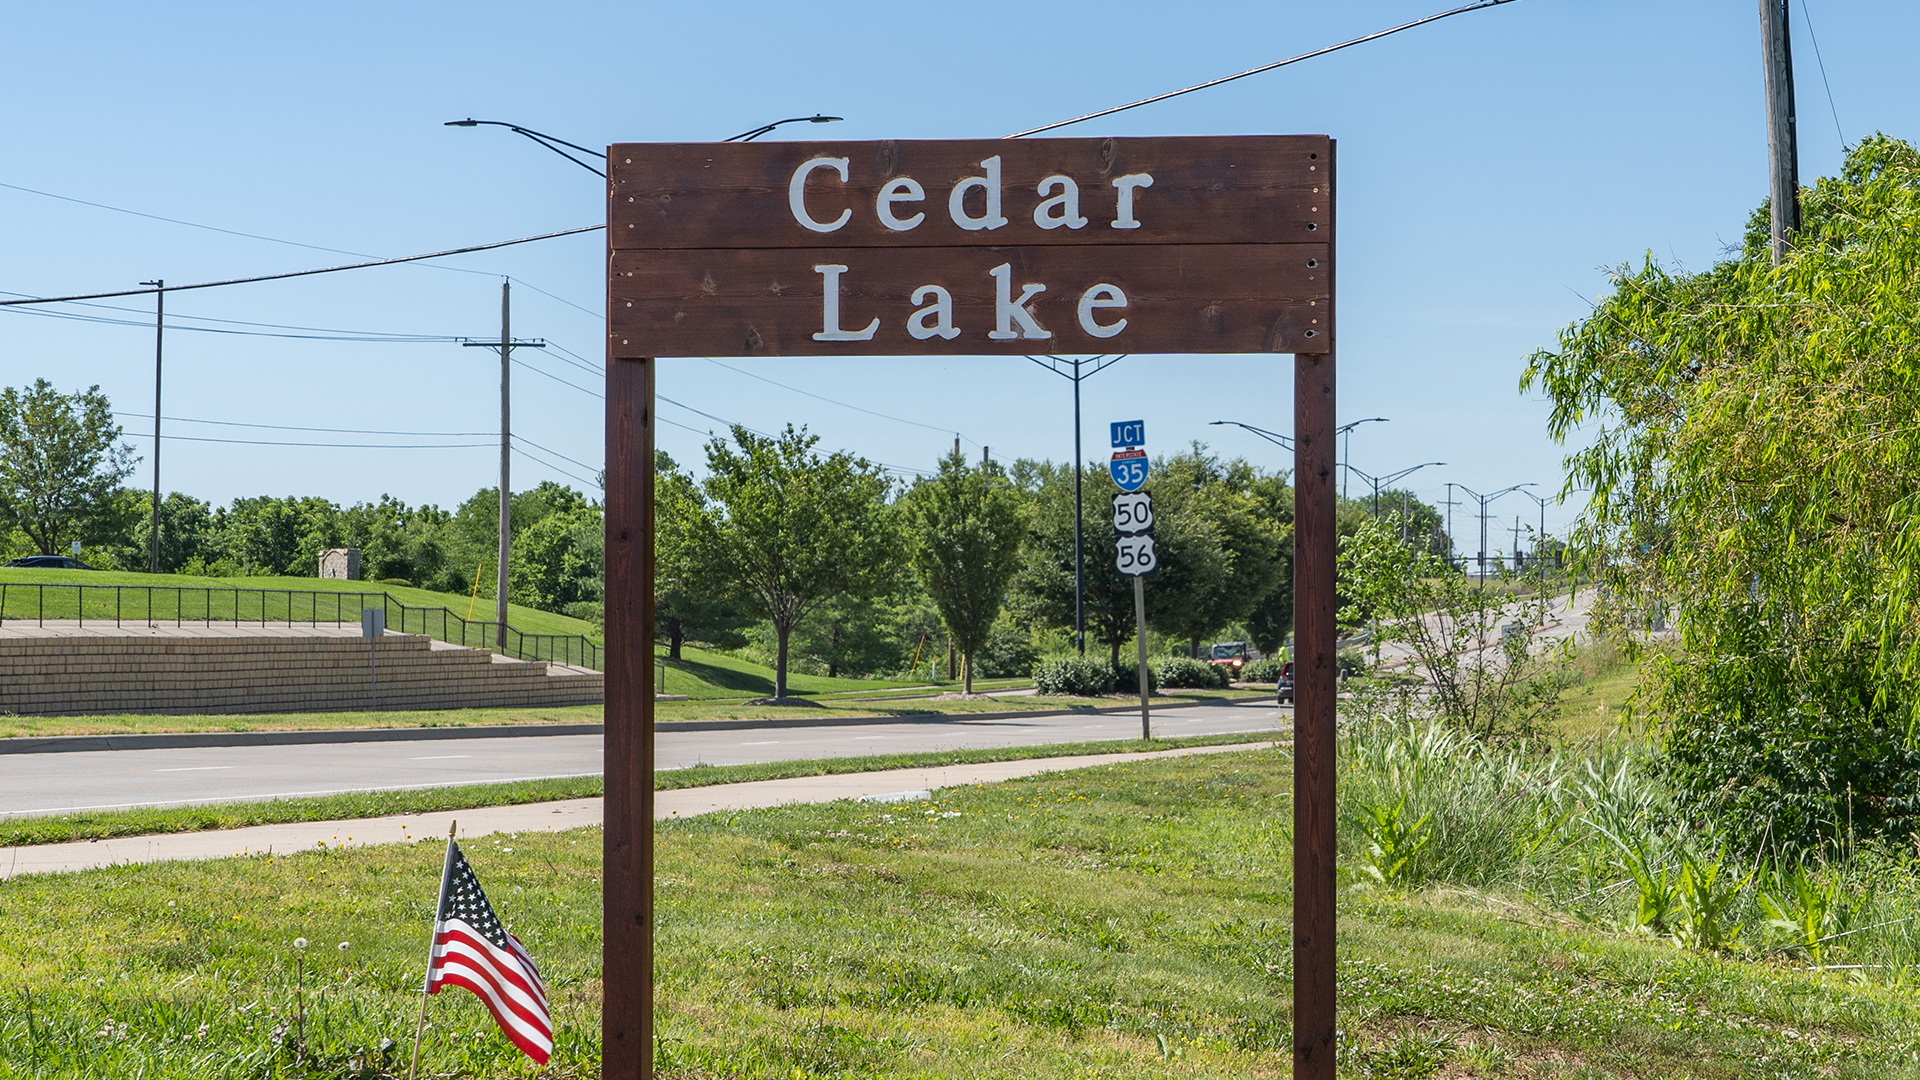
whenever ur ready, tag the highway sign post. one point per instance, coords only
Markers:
(1134, 556)
(964, 247)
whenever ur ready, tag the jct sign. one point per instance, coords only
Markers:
(1194, 245)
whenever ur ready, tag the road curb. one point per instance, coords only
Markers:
(55, 744)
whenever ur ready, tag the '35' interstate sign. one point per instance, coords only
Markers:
(1160, 245)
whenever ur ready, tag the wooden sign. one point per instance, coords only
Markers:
(1180, 245)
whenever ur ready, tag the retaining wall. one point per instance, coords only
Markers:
(89, 675)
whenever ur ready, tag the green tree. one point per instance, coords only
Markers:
(689, 600)
(849, 636)
(557, 561)
(1244, 550)
(1751, 472)
(61, 462)
(792, 530)
(966, 524)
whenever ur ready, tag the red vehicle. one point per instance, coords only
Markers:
(1231, 655)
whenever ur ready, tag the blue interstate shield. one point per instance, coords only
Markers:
(1129, 469)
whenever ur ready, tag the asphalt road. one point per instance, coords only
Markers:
(118, 779)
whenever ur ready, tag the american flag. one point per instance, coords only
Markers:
(472, 950)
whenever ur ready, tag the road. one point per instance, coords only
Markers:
(120, 779)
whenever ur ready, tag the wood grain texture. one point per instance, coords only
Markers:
(626, 1009)
(1261, 189)
(770, 302)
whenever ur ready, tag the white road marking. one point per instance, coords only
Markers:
(769, 742)
(196, 768)
(439, 757)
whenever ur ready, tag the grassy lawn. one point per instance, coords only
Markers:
(101, 825)
(1122, 921)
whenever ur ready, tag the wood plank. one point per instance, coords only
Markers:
(1205, 190)
(771, 302)
(626, 1003)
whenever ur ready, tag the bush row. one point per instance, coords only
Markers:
(1086, 676)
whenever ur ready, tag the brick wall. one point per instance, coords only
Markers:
(87, 675)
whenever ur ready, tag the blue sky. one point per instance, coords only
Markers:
(1492, 166)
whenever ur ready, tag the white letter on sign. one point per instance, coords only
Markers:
(797, 193)
(1065, 206)
(830, 308)
(1102, 296)
(1123, 217)
(956, 202)
(1007, 310)
(899, 189)
(940, 311)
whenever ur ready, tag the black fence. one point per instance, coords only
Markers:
(157, 605)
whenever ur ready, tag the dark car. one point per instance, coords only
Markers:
(47, 562)
(1284, 690)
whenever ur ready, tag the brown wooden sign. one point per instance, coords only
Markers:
(1180, 245)
(1197, 245)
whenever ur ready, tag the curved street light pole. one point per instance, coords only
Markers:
(1484, 500)
(547, 141)
(1277, 439)
(1345, 431)
(749, 136)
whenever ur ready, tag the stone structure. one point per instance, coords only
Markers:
(153, 673)
(340, 564)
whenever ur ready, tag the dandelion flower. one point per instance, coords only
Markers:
(299, 943)
(345, 945)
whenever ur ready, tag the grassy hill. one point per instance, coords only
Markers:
(699, 674)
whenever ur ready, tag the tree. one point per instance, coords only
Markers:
(557, 561)
(966, 525)
(792, 530)
(1753, 449)
(61, 462)
(689, 602)
(1245, 548)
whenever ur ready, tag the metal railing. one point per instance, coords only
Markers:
(179, 605)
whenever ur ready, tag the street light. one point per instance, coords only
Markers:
(1380, 481)
(1346, 448)
(547, 141)
(1099, 363)
(1541, 535)
(1484, 500)
(1275, 438)
(749, 136)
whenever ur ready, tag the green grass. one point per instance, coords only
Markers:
(105, 824)
(1122, 921)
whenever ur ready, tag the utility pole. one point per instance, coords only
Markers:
(159, 329)
(1484, 500)
(506, 345)
(1783, 145)
(1099, 364)
(1449, 524)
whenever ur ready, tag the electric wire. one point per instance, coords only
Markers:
(290, 427)
(1262, 68)
(329, 445)
(522, 438)
(556, 468)
(147, 324)
(831, 401)
(304, 273)
(1807, 17)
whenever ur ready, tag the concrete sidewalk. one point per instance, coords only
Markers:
(541, 817)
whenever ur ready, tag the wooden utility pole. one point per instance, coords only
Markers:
(159, 330)
(506, 457)
(1783, 146)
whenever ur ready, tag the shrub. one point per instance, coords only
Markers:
(1186, 673)
(1073, 676)
(1267, 670)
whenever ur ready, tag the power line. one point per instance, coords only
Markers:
(556, 453)
(251, 322)
(558, 379)
(556, 468)
(306, 273)
(334, 446)
(831, 401)
(289, 427)
(1264, 67)
(1807, 17)
(374, 338)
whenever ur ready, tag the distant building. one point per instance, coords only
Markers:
(340, 564)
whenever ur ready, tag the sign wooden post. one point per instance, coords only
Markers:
(977, 247)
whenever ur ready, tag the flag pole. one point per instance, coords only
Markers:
(446, 872)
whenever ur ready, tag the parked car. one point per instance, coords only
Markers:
(1284, 689)
(47, 562)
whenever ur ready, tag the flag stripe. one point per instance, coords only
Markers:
(526, 1002)
(532, 1041)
